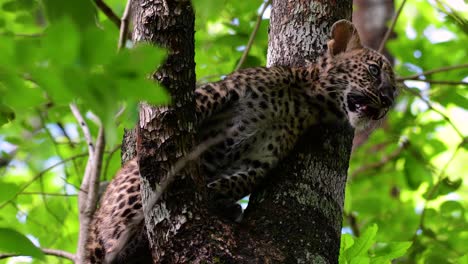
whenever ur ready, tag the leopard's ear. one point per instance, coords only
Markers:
(344, 38)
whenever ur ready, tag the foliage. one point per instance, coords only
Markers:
(409, 178)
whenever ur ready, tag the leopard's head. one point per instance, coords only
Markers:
(364, 75)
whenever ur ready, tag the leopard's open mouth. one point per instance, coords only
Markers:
(371, 111)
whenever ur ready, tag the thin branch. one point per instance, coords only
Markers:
(47, 251)
(444, 116)
(352, 221)
(111, 153)
(179, 165)
(96, 172)
(47, 194)
(108, 12)
(124, 25)
(252, 35)
(442, 69)
(392, 26)
(40, 174)
(373, 166)
(441, 82)
(84, 128)
(59, 253)
(87, 202)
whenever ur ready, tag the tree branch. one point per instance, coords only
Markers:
(47, 194)
(181, 164)
(87, 196)
(252, 35)
(442, 69)
(444, 116)
(47, 251)
(40, 174)
(108, 12)
(392, 26)
(84, 128)
(124, 25)
(111, 153)
(382, 162)
(441, 82)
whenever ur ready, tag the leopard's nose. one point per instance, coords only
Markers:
(386, 95)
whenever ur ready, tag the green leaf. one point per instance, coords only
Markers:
(463, 259)
(452, 209)
(61, 43)
(13, 242)
(6, 114)
(100, 52)
(444, 187)
(360, 260)
(346, 242)
(390, 251)
(362, 244)
(416, 172)
(7, 191)
(81, 12)
(17, 5)
(215, 7)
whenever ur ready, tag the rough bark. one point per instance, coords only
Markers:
(302, 205)
(179, 228)
(296, 218)
(165, 134)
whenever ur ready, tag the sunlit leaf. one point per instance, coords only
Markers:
(444, 187)
(390, 251)
(13, 242)
(362, 244)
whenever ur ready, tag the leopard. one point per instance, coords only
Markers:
(261, 112)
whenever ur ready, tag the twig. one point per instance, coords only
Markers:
(392, 26)
(84, 128)
(440, 82)
(108, 12)
(111, 153)
(442, 69)
(95, 173)
(40, 174)
(352, 220)
(87, 199)
(252, 35)
(444, 116)
(47, 194)
(124, 25)
(47, 251)
(382, 162)
(59, 253)
(179, 165)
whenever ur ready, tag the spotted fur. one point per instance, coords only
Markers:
(261, 112)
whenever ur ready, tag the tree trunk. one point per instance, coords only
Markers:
(297, 217)
(165, 134)
(302, 205)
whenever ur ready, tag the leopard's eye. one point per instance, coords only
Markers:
(374, 70)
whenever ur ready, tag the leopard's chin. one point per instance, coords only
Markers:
(371, 112)
(365, 116)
